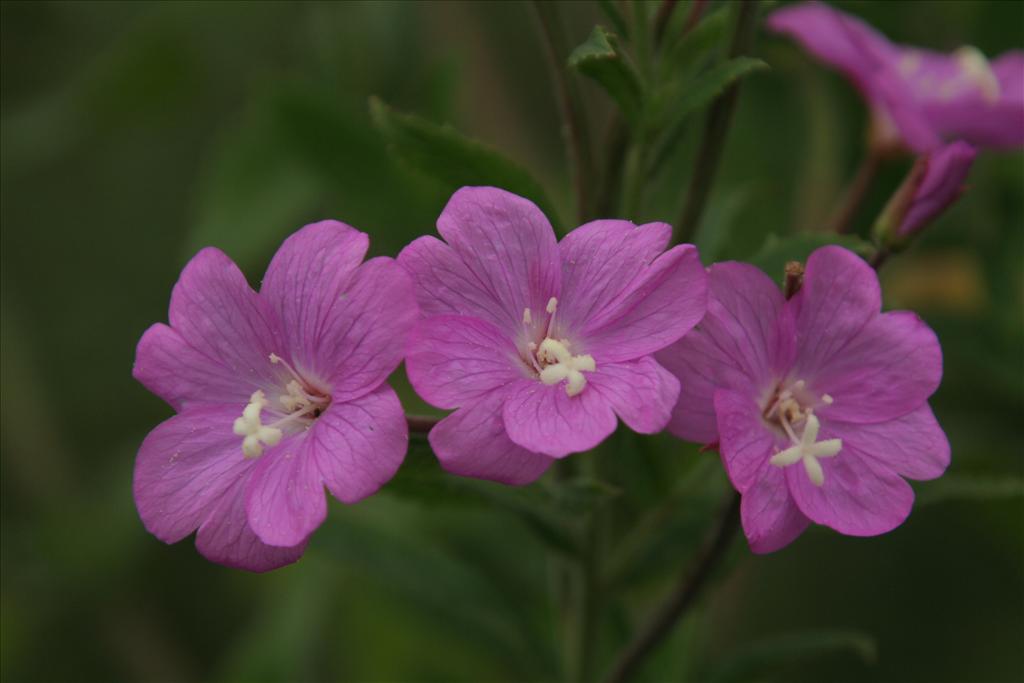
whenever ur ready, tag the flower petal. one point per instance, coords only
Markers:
(285, 500)
(745, 441)
(889, 368)
(771, 520)
(217, 313)
(184, 467)
(913, 446)
(508, 246)
(600, 262)
(452, 360)
(641, 392)
(305, 283)
(840, 295)
(661, 305)
(445, 286)
(740, 345)
(170, 368)
(359, 445)
(837, 39)
(545, 419)
(858, 497)
(364, 339)
(472, 442)
(226, 538)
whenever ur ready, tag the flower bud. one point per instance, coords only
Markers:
(933, 184)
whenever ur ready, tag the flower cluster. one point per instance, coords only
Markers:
(917, 97)
(816, 400)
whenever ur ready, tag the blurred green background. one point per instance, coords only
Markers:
(134, 133)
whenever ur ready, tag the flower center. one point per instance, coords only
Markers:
(551, 360)
(976, 70)
(301, 403)
(791, 409)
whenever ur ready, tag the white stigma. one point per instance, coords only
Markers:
(252, 428)
(560, 365)
(808, 449)
(978, 71)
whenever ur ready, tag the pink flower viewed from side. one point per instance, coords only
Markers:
(278, 394)
(819, 403)
(537, 344)
(940, 182)
(917, 97)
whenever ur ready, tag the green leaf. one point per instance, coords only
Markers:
(255, 191)
(600, 59)
(421, 479)
(615, 16)
(775, 252)
(704, 41)
(762, 659)
(962, 487)
(703, 89)
(454, 160)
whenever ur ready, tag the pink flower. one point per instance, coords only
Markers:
(540, 344)
(278, 394)
(819, 403)
(917, 97)
(937, 183)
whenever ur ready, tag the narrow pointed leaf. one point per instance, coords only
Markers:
(454, 160)
(600, 59)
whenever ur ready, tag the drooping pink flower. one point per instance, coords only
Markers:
(917, 97)
(940, 183)
(278, 394)
(537, 344)
(819, 403)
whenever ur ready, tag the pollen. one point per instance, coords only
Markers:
(561, 366)
(976, 69)
(255, 433)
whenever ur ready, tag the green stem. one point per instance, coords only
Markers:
(842, 220)
(718, 121)
(635, 178)
(685, 594)
(574, 122)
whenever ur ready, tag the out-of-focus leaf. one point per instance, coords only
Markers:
(422, 479)
(775, 251)
(600, 59)
(707, 86)
(256, 191)
(455, 595)
(615, 16)
(763, 659)
(703, 41)
(716, 228)
(449, 157)
(582, 495)
(963, 487)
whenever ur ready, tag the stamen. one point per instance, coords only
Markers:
(978, 71)
(275, 359)
(563, 366)
(527, 317)
(552, 305)
(251, 428)
(808, 449)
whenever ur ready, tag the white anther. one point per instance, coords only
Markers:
(809, 449)
(255, 432)
(978, 71)
(827, 400)
(527, 317)
(552, 305)
(561, 366)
